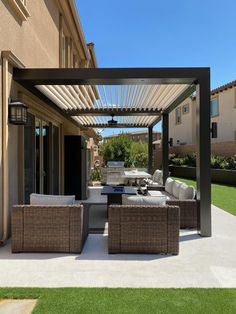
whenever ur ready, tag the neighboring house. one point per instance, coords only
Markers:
(36, 34)
(136, 136)
(182, 125)
(223, 112)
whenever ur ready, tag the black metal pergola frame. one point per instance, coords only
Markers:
(198, 80)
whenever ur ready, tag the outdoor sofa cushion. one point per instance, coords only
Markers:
(143, 200)
(157, 176)
(176, 187)
(161, 193)
(169, 185)
(43, 199)
(186, 192)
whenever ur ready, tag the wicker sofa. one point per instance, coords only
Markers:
(49, 228)
(187, 203)
(143, 229)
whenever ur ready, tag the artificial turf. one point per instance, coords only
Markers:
(223, 196)
(135, 301)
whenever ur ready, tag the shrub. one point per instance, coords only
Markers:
(190, 160)
(122, 148)
(217, 162)
(232, 162)
(96, 175)
(178, 161)
(116, 149)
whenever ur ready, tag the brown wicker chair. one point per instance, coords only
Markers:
(143, 229)
(49, 228)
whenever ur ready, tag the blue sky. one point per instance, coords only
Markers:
(162, 33)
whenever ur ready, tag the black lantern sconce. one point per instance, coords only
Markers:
(171, 141)
(214, 129)
(17, 113)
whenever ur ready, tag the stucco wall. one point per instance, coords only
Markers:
(35, 41)
(182, 132)
(226, 120)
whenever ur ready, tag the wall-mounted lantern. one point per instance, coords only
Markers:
(214, 129)
(17, 113)
(171, 141)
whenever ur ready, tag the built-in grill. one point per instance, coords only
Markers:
(115, 164)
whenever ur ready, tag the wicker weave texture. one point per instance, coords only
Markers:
(188, 210)
(47, 228)
(143, 229)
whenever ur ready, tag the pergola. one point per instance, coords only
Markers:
(135, 98)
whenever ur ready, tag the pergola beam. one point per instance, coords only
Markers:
(108, 76)
(150, 150)
(203, 144)
(116, 112)
(115, 126)
(165, 147)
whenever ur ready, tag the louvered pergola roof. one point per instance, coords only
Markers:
(135, 97)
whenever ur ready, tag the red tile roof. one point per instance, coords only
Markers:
(223, 87)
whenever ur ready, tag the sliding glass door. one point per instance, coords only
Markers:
(41, 157)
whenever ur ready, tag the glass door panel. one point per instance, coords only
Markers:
(29, 157)
(37, 155)
(45, 158)
(55, 159)
(41, 157)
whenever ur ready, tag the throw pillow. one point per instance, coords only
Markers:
(186, 192)
(176, 187)
(169, 185)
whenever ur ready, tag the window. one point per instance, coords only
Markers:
(178, 115)
(185, 108)
(214, 107)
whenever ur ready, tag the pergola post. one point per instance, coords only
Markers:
(165, 146)
(150, 150)
(203, 141)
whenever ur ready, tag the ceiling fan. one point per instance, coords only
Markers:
(112, 121)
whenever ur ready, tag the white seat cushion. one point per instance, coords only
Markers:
(154, 200)
(175, 188)
(186, 192)
(143, 200)
(169, 185)
(132, 199)
(43, 199)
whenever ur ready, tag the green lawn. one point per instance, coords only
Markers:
(223, 196)
(135, 301)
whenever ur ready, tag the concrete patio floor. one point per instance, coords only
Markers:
(202, 262)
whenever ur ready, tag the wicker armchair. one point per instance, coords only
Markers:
(143, 229)
(49, 228)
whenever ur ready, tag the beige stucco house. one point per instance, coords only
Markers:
(36, 34)
(223, 112)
